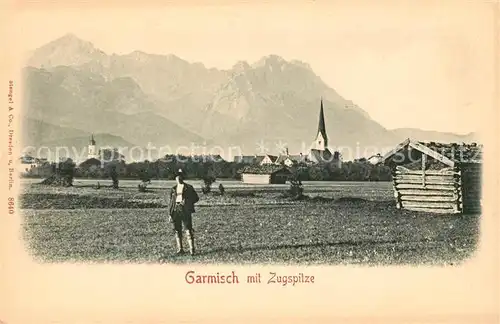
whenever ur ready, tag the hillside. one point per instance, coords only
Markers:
(37, 133)
(165, 100)
(275, 100)
(81, 99)
(424, 135)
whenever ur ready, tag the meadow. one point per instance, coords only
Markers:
(339, 223)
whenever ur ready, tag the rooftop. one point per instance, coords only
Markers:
(263, 169)
(448, 153)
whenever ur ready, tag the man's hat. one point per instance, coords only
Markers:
(180, 173)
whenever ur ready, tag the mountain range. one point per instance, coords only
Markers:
(73, 89)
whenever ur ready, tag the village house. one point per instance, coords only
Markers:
(265, 174)
(26, 163)
(268, 159)
(256, 159)
(90, 163)
(29, 164)
(375, 159)
(436, 177)
(290, 160)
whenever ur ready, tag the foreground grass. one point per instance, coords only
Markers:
(260, 229)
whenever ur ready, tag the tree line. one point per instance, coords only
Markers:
(358, 170)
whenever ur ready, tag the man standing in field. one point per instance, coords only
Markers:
(181, 207)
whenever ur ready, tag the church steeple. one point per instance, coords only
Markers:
(92, 149)
(321, 137)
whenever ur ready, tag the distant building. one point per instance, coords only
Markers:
(375, 159)
(265, 174)
(106, 154)
(255, 159)
(437, 177)
(290, 160)
(89, 163)
(27, 159)
(27, 164)
(92, 149)
(268, 159)
(321, 141)
(320, 152)
(258, 159)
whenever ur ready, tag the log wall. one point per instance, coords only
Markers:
(428, 190)
(471, 188)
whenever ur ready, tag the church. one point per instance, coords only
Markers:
(92, 150)
(106, 154)
(319, 152)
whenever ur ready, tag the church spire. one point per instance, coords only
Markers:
(92, 141)
(321, 125)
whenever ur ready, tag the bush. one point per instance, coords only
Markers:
(142, 187)
(111, 169)
(67, 171)
(62, 174)
(114, 178)
(296, 189)
(207, 184)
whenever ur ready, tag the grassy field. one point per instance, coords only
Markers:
(352, 223)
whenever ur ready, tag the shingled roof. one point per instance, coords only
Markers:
(458, 152)
(448, 153)
(273, 158)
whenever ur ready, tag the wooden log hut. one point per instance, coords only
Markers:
(436, 177)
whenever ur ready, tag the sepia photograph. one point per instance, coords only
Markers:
(253, 144)
(146, 156)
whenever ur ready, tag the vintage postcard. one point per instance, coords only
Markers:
(236, 162)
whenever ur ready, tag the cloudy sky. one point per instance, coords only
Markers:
(423, 65)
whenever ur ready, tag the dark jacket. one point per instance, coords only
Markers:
(188, 194)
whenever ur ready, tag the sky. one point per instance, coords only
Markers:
(424, 64)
